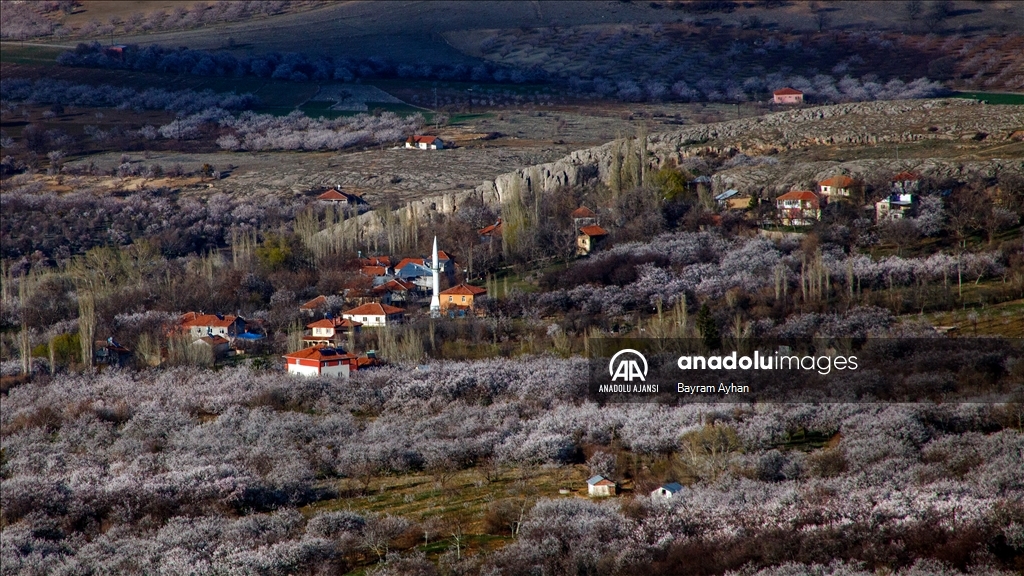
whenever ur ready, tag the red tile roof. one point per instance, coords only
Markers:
(492, 230)
(841, 181)
(799, 195)
(442, 256)
(787, 91)
(373, 309)
(333, 195)
(191, 320)
(464, 290)
(421, 139)
(320, 353)
(593, 231)
(325, 323)
(394, 285)
(906, 177)
(376, 261)
(406, 261)
(315, 303)
(213, 340)
(374, 271)
(582, 212)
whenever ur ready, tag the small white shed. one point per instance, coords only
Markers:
(600, 486)
(667, 490)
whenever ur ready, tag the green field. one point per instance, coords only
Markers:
(993, 97)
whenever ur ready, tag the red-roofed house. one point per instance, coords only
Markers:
(488, 232)
(320, 361)
(788, 96)
(906, 183)
(841, 186)
(583, 216)
(337, 195)
(798, 208)
(318, 304)
(200, 325)
(424, 142)
(219, 345)
(588, 239)
(395, 290)
(329, 331)
(460, 297)
(374, 314)
(373, 271)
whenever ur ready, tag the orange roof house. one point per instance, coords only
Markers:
(328, 331)
(838, 186)
(588, 239)
(583, 212)
(373, 271)
(906, 183)
(424, 142)
(461, 297)
(798, 208)
(492, 231)
(787, 95)
(374, 314)
(200, 325)
(321, 361)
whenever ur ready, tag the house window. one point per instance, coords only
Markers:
(463, 298)
(450, 298)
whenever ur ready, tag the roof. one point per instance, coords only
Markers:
(599, 480)
(347, 323)
(325, 323)
(376, 261)
(332, 195)
(593, 230)
(395, 285)
(787, 91)
(906, 177)
(193, 320)
(582, 212)
(320, 353)
(212, 340)
(726, 195)
(422, 139)
(806, 195)
(492, 230)
(840, 181)
(441, 256)
(373, 309)
(374, 270)
(464, 289)
(315, 303)
(406, 261)
(701, 180)
(672, 487)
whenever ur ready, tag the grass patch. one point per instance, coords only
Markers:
(1006, 319)
(993, 97)
(29, 54)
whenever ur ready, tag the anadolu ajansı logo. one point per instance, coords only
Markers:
(625, 366)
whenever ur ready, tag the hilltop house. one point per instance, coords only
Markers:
(787, 95)
(488, 233)
(338, 196)
(895, 206)
(320, 361)
(667, 490)
(374, 314)
(906, 183)
(588, 239)
(841, 186)
(798, 208)
(583, 216)
(424, 142)
(460, 299)
(200, 325)
(600, 486)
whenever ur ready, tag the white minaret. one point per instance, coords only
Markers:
(435, 300)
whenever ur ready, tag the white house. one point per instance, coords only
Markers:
(600, 486)
(374, 314)
(424, 142)
(201, 325)
(667, 490)
(895, 206)
(320, 361)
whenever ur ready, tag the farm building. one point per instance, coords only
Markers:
(787, 96)
(667, 490)
(423, 142)
(600, 486)
(589, 238)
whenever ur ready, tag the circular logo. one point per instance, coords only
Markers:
(632, 366)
